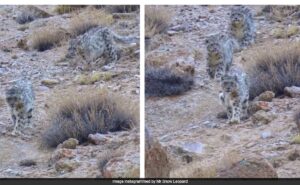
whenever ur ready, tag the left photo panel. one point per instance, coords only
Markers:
(69, 91)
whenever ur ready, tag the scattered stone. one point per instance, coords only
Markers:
(258, 105)
(293, 92)
(171, 33)
(61, 154)
(49, 82)
(296, 140)
(266, 134)
(157, 164)
(222, 115)
(249, 167)
(125, 167)
(69, 144)
(193, 147)
(65, 166)
(98, 139)
(263, 117)
(27, 162)
(266, 96)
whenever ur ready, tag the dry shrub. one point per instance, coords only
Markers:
(280, 12)
(25, 17)
(62, 9)
(168, 81)
(122, 8)
(273, 67)
(203, 169)
(77, 114)
(89, 19)
(157, 20)
(46, 38)
(297, 119)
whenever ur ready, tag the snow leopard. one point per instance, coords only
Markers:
(20, 99)
(220, 48)
(98, 42)
(242, 26)
(235, 94)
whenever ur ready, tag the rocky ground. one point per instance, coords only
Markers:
(23, 156)
(187, 125)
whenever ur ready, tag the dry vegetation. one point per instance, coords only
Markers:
(157, 20)
(279, 13)
(62, 9)
(89, 19)
(46, 38)
(297, 119)
(25, 17)
(274, 67)
(122, 8)
(78, 114)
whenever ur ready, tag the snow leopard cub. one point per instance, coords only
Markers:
(20, 98)
(235, 94)
(242, 26)
(220, 48)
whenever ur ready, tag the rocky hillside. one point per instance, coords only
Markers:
(190, 127)
(34, 42)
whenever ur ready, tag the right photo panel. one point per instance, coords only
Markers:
(222, 89)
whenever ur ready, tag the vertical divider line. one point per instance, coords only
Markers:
(142, 90)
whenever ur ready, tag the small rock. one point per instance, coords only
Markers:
(106, 68)
(293, 155)
(65, 166)
(249, 167)
(69, 144)
(27, 162)
(222, 115)
(296, 140)
(61, 154)
(293, 91)
(266, 134)
(49, 82)
(266, 96)
(193, 147)
(263, 117)
(177, 28)
(98, 138)
(259, 105)
(171, 33)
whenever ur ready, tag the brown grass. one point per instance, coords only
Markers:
(47, 38)
(77, 114)
(157, 20)
(273, 67)
(89, 19)
(62, 9)
(280, 12)
(203, 169)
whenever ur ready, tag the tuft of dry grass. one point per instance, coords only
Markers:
(77, 114)
(273, 67)
(94, 77)
(62, 9)
(280, 12)
(46, 38)
(122, 8)
(157, 20)
(89, 19)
